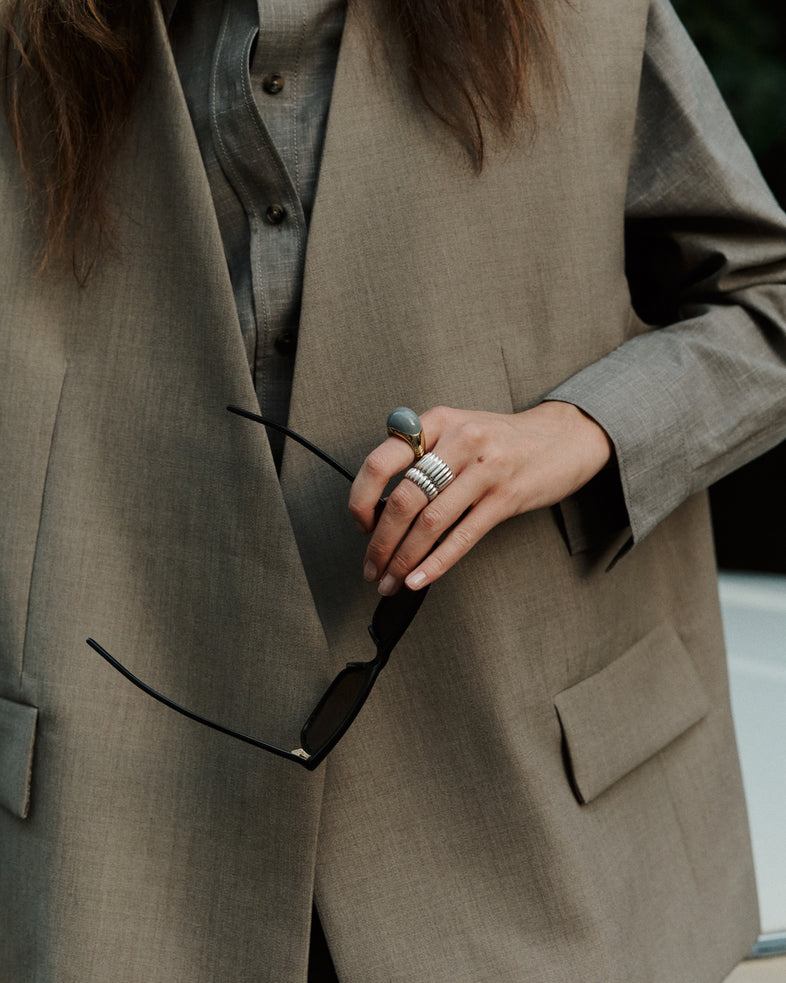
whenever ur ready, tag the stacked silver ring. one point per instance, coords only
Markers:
(434, 468)
(431, 475)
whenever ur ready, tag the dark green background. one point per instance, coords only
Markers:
(744, 43)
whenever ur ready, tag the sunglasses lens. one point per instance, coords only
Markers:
(337, 707)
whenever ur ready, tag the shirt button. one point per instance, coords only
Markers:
(286, 342)
(275, 214)
(273, 84)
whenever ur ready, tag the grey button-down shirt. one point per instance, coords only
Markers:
(258, 76)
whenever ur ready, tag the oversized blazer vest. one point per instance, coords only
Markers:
(543, 786)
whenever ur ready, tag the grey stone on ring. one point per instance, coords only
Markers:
(404, 423)
(404, 420)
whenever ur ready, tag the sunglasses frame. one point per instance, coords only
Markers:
(392, 617)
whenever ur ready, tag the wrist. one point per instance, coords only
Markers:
(592, 442)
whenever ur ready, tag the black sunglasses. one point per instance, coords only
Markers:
(345, 696)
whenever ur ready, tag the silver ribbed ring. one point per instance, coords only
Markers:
(424, 483)
(434, 467)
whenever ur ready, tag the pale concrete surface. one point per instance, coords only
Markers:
(754, 619)
(760, 971)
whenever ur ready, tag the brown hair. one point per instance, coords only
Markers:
(476, 62)
(73, 68)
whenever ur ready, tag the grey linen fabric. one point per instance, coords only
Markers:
(257, 79)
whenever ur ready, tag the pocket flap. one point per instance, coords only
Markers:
(618, 718)
(17, 737)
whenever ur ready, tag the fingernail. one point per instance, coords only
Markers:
(387, 585)
(415, 580)
(369, 571)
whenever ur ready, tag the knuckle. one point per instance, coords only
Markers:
(402, 500)
(400, 565)
(495, 461)
(473, 435)
(463, 539)
(505, 497)
(356, 510)
(375, 464)
(377, 552)
(441, 414)
(431, 519)
(438, 563)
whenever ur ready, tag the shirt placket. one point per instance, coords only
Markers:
(277, 229)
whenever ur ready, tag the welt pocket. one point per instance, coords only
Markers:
(17, 739)
(620, 717)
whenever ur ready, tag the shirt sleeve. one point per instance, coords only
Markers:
(704, 391)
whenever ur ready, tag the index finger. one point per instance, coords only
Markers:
(388, 459)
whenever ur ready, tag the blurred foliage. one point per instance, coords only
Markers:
(744, 44)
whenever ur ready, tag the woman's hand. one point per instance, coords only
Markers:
(503, 466)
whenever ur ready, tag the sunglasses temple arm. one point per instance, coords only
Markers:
(308, 445)
(295, 436)
(188, 713)
(387, 640)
